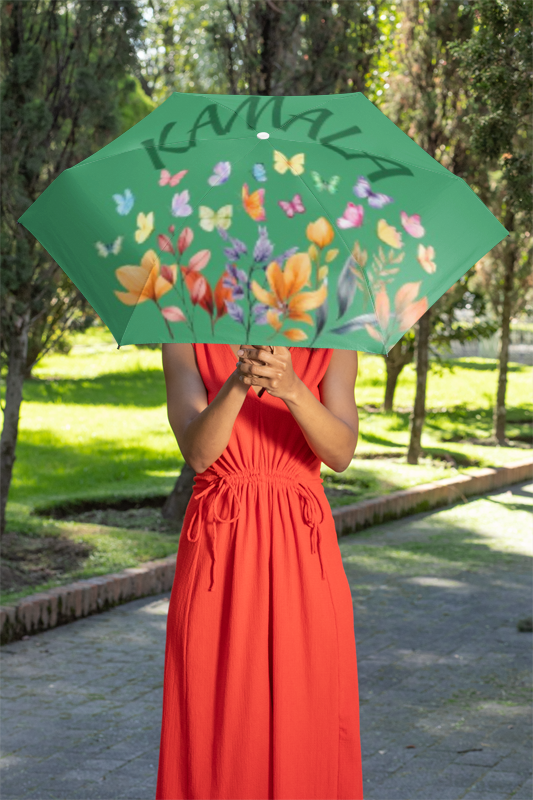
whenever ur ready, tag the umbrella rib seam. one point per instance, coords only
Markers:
(153, 147)
(445, 174)
(377, 155)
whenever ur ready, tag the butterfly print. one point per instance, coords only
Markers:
(114, 248)
(172, 180)
(375, 199)
(124, 202)
(221, 173)
(180, 204)
(292, 207)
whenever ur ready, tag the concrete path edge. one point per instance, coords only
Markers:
(63, 604)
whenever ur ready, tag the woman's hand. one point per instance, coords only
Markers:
(274, 371)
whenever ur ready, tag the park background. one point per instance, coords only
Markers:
(94, 486)
(88, 457)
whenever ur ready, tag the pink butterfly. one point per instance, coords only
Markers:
(292, 207)
(172, 180)
(412, 224)
(352, 217)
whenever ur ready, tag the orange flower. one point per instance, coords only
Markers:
(320, 232)
(286, 297)
(144, 282)
(382, 308)
(425, 258)
(199, 289)
(408, 310)
(223, 293)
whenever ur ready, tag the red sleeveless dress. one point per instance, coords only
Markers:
(260, 695)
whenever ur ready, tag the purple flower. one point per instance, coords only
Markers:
(236, 273)
(263, 247)
(260, 311)
(224, 234)
(284, 256)
(234, 311)
(235, 252)
(238, 292)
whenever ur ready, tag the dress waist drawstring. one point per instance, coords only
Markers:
(217, 482)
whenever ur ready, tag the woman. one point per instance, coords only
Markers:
(260, 692)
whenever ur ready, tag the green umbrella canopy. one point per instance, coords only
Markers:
(307, 221)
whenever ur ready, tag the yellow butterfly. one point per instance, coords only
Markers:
(295, 164)
(253, 203)
(388, 234)
(145, 226)
(209, 219)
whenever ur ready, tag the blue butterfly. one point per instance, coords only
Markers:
(124, 202)
(114, 248)
(259, 172)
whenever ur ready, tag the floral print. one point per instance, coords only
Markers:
(252, 286)
(286, 298)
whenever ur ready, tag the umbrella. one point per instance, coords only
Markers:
(307, 221)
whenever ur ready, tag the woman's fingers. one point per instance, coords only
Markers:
(258, 371)
(255, 352)
(272, 370)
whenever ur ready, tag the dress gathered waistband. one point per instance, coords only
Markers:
(215, 482)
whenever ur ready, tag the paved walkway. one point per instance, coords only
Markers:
(443, 671)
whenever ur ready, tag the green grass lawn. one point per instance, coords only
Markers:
(94, 426)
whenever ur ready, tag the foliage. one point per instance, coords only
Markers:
(175, 53)
(96, 421)
(296, 47)
(264, 46)
(497, 61)
(64, 67)
(95, 427)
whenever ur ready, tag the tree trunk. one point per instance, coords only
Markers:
(395, 361)
(419, 410)
(177, 501)
(18, 348)
(509, 258)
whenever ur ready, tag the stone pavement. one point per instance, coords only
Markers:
(443, 671)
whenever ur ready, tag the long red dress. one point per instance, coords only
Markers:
(260, 695)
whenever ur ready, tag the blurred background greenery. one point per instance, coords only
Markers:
(88, 458)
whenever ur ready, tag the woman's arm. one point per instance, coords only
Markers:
(331, 427)
(201, 430)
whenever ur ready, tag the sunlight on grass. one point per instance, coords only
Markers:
(95, 421)
(115, 549)
(471, 382)
(118, 548)
(94, 426)
(472, 536)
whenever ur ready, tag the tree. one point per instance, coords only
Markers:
(423, 328)
(467, 293)
(296, 47)
(498, 61)
(175, 54)
(427, 97)
(398, 356)
(504, 275)
(62, 65)
(67, 311)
